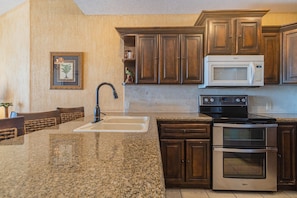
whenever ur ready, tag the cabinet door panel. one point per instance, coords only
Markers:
(287, 155)
(290, 57)
(169, 58)
(147, 59)
(173, 159)
(198, 161)
(248, 36)
(192, 58)
(220, 37)
(271, 50)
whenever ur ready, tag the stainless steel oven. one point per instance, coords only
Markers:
(244, 157)
(244, 145)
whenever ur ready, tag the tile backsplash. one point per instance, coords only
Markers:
(184, 98)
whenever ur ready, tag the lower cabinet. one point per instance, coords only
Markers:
(287, 156)
(185, 150)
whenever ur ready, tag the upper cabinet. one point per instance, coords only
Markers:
(271, 51)
(289, 53)
(147, 59)
(230, 32)
(172, 55)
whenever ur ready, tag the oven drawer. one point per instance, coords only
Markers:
(184, 130)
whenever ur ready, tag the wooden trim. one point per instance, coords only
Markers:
(271, 28)
(205, 14)
(125, 31)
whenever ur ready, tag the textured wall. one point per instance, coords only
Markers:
(60, 26)
(56, 25)
(15, 58)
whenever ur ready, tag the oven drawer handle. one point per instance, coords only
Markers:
(245, 125)
(231, 150)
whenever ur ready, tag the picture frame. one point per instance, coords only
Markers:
(66, 70)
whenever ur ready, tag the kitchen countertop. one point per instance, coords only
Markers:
(57, 162)
(282, 117)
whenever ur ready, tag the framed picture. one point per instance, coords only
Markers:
(66, 70)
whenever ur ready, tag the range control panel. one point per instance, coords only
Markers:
(223, 100)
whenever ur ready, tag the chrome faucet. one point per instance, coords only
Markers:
(97, 108)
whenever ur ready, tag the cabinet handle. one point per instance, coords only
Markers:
(182, 161)
(279, 155)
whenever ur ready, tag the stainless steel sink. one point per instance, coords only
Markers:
(132, 124)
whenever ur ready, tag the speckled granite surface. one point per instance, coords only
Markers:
(60, 163)
(283, 117)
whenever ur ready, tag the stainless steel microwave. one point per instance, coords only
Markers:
(233, 71)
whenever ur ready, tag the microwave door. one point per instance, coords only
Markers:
(230, 74)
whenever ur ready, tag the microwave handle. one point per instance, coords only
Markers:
(252, 67)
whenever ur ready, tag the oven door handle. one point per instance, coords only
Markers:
(234, 150)
(245, 125)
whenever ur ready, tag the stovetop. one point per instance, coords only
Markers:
(230, 109)
(242, 119)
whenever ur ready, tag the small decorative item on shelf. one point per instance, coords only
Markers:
(128, 54)
(6, 105)
(129, 76)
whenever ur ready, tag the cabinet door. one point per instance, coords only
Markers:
(287, 155)
(198, 161)
(271, 50)
(173, 158)
(248, 36)
(290, 57)
(220, 39)
(169, 59)
(192, 58)
(147, 59)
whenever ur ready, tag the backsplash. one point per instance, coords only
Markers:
(184, 98)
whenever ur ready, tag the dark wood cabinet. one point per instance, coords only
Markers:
(192, 58)
(147, 59)
(181, 58)
(248, 36)
(169, 59)
(233, 36)
(219, 37)
(289, 51)
(165, 55)
(185, 150)
(232, 32)
(271, 51)
(287, 156)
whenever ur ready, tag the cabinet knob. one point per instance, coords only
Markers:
(188, 161)
(182, 161)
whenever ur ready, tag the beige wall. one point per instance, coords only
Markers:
(60, 26)
(15, 58)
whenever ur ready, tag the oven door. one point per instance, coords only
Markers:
(244, 135)
(245, 169)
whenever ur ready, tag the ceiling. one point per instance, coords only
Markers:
(125, 7)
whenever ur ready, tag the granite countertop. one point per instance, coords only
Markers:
(57, 162)
(282, 117)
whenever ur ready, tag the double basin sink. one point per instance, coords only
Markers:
(133, 124)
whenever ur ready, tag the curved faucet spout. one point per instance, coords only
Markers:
(97, 108)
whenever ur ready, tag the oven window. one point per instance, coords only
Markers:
(244, 165)
(244, 137)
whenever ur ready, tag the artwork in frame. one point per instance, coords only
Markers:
(66, 70)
